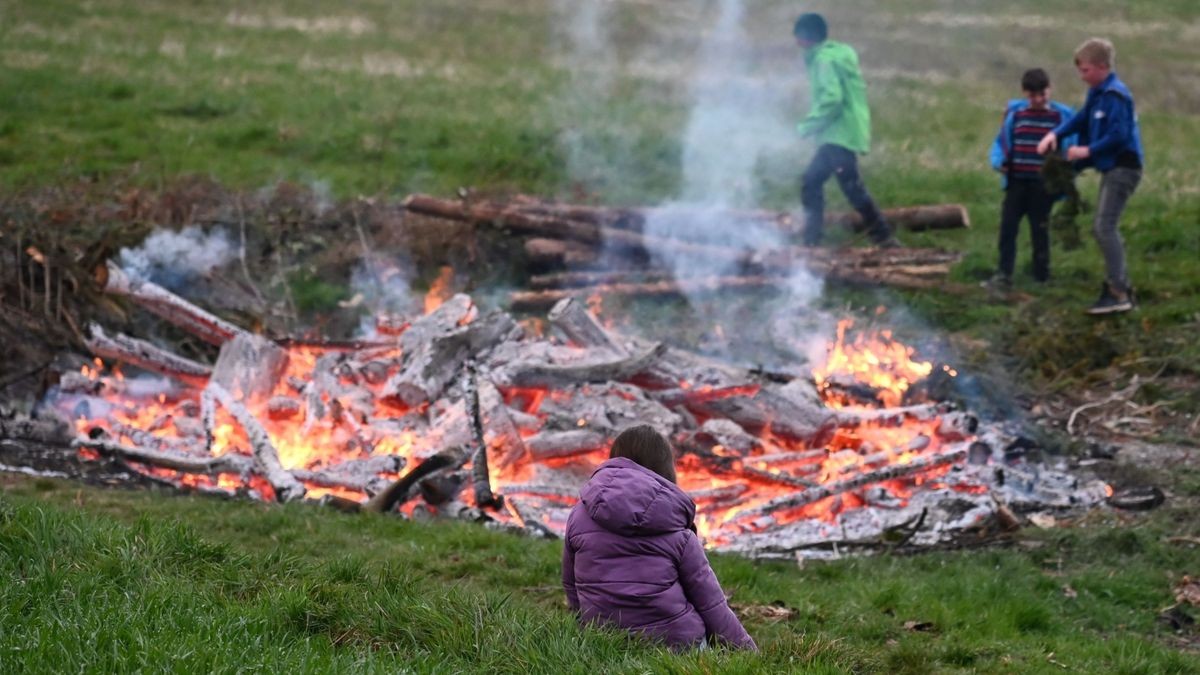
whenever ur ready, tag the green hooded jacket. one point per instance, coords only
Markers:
(839, 113)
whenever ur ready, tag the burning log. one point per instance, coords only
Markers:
(230, 462)
(539, 374)
(480, 476)
(144, 355)
(397, 492)
(171, 307)
(768, 412)
(572, 318)
(429, 366)
(890, 472)
(266, 457)
(358, 475)
(249, 366)
(555, 444)
(500, 425)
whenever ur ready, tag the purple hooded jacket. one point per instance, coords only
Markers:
(630, 559)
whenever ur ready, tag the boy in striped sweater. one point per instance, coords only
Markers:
(1015, 155)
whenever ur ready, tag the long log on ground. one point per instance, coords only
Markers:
(890, 472)
(167, 305)
(818, 260)
(266, 456)
(912, 218)
(146, 356)
(528, 301)
(770, 412)
(559, 253)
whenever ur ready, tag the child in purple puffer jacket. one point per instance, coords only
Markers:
(632, 557)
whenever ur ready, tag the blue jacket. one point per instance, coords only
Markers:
(1107, 124)
(1002, 146)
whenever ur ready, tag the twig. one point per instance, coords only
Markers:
(1122, 395)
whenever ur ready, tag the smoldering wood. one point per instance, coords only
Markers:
(729, 435)
(430, 366)
(265, 455)
(480, 475)
(891, 472)
(230, 462)
(168, 306)
(557, 444)
(501, 428)
(135, 352)
(249, 366)
(397, 493)
(768, 412)
(608, 408)
(449, 316)
(539, 374)
(674, 398)
(573, 319)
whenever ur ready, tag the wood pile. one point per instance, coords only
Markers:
(578, 250)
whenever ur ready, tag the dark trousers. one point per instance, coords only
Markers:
(834, 160)
(1026, 198)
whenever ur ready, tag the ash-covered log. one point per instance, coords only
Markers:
(167, 305)
(555, 444)
(146, 356)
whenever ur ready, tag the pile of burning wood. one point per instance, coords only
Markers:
(462, 415)
(591, 250)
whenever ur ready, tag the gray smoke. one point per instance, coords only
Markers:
(172, 259)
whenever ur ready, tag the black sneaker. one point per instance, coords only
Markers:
(890, 242)
(1111, 301)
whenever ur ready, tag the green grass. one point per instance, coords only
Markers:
(385, 97)
(116, 581)
(393, 96)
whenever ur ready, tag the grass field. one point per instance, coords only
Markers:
(117, 581)
(386, 97)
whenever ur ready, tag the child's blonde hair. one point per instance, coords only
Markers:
(1097, 51)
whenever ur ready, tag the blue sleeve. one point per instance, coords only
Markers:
(1118, 127)
(999, 154)
(1072, 140)
(1073, 126)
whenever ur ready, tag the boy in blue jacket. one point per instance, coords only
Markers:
(1110, 141)
(1015, 155)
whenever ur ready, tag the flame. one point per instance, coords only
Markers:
(441, 289)
(877, 361)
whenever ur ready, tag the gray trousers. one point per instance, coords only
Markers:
(1116, 187)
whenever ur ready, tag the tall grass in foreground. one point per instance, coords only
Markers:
(124, 585)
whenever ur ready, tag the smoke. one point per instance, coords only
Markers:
(739, 118)
(597, 152)
(382, 288)
(172, 259)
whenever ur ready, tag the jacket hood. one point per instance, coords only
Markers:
(628, 499)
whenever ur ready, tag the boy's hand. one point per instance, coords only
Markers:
(1078, 152)
(1048, 143)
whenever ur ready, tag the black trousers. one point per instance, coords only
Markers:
(834, 160)
(1026, 198)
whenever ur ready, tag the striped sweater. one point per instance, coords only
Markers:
(1029, 127)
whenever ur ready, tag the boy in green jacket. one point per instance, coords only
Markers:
(840, 122)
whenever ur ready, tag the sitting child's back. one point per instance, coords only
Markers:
(631, 559)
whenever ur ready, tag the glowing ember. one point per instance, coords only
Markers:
(334, 428)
